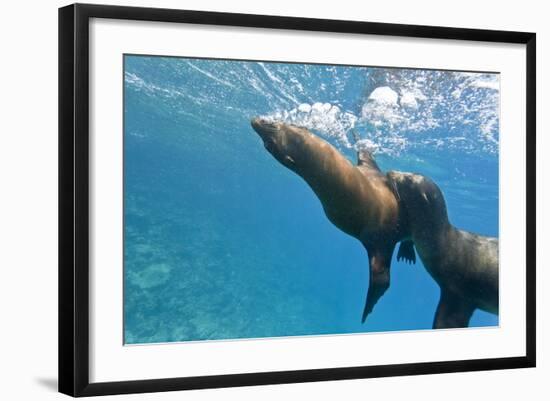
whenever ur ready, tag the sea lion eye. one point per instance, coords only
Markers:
(290, 160)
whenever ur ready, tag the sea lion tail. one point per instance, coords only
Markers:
(406, 252)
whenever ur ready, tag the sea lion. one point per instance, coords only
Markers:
(356, 199)
(464, 264)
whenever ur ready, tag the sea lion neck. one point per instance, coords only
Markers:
(425, 221)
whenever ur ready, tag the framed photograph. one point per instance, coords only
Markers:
(236, 191)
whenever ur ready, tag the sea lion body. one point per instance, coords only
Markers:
(464, 264)
(357, 199)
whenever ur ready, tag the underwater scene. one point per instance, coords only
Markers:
(235, 230)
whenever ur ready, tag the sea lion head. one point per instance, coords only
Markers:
(422, 198)
(285, 142)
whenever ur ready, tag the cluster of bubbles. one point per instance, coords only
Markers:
(326, 118)
(407, 108)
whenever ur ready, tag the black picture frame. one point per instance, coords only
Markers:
(74, 198)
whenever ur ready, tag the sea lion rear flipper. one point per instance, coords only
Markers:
(406, 252)
(379, 276)
(452, 312)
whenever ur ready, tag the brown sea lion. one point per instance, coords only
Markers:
(464, 264)
(356, 199)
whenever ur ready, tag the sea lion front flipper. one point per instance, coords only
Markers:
(379, 276)
(406, 252)
(452, 312)
(366, 159)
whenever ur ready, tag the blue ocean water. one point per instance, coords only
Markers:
(223, 242)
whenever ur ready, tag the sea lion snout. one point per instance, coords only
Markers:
(401, 177)
(410, 184)
(264, 127)
(275, 138)
(395, 176)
